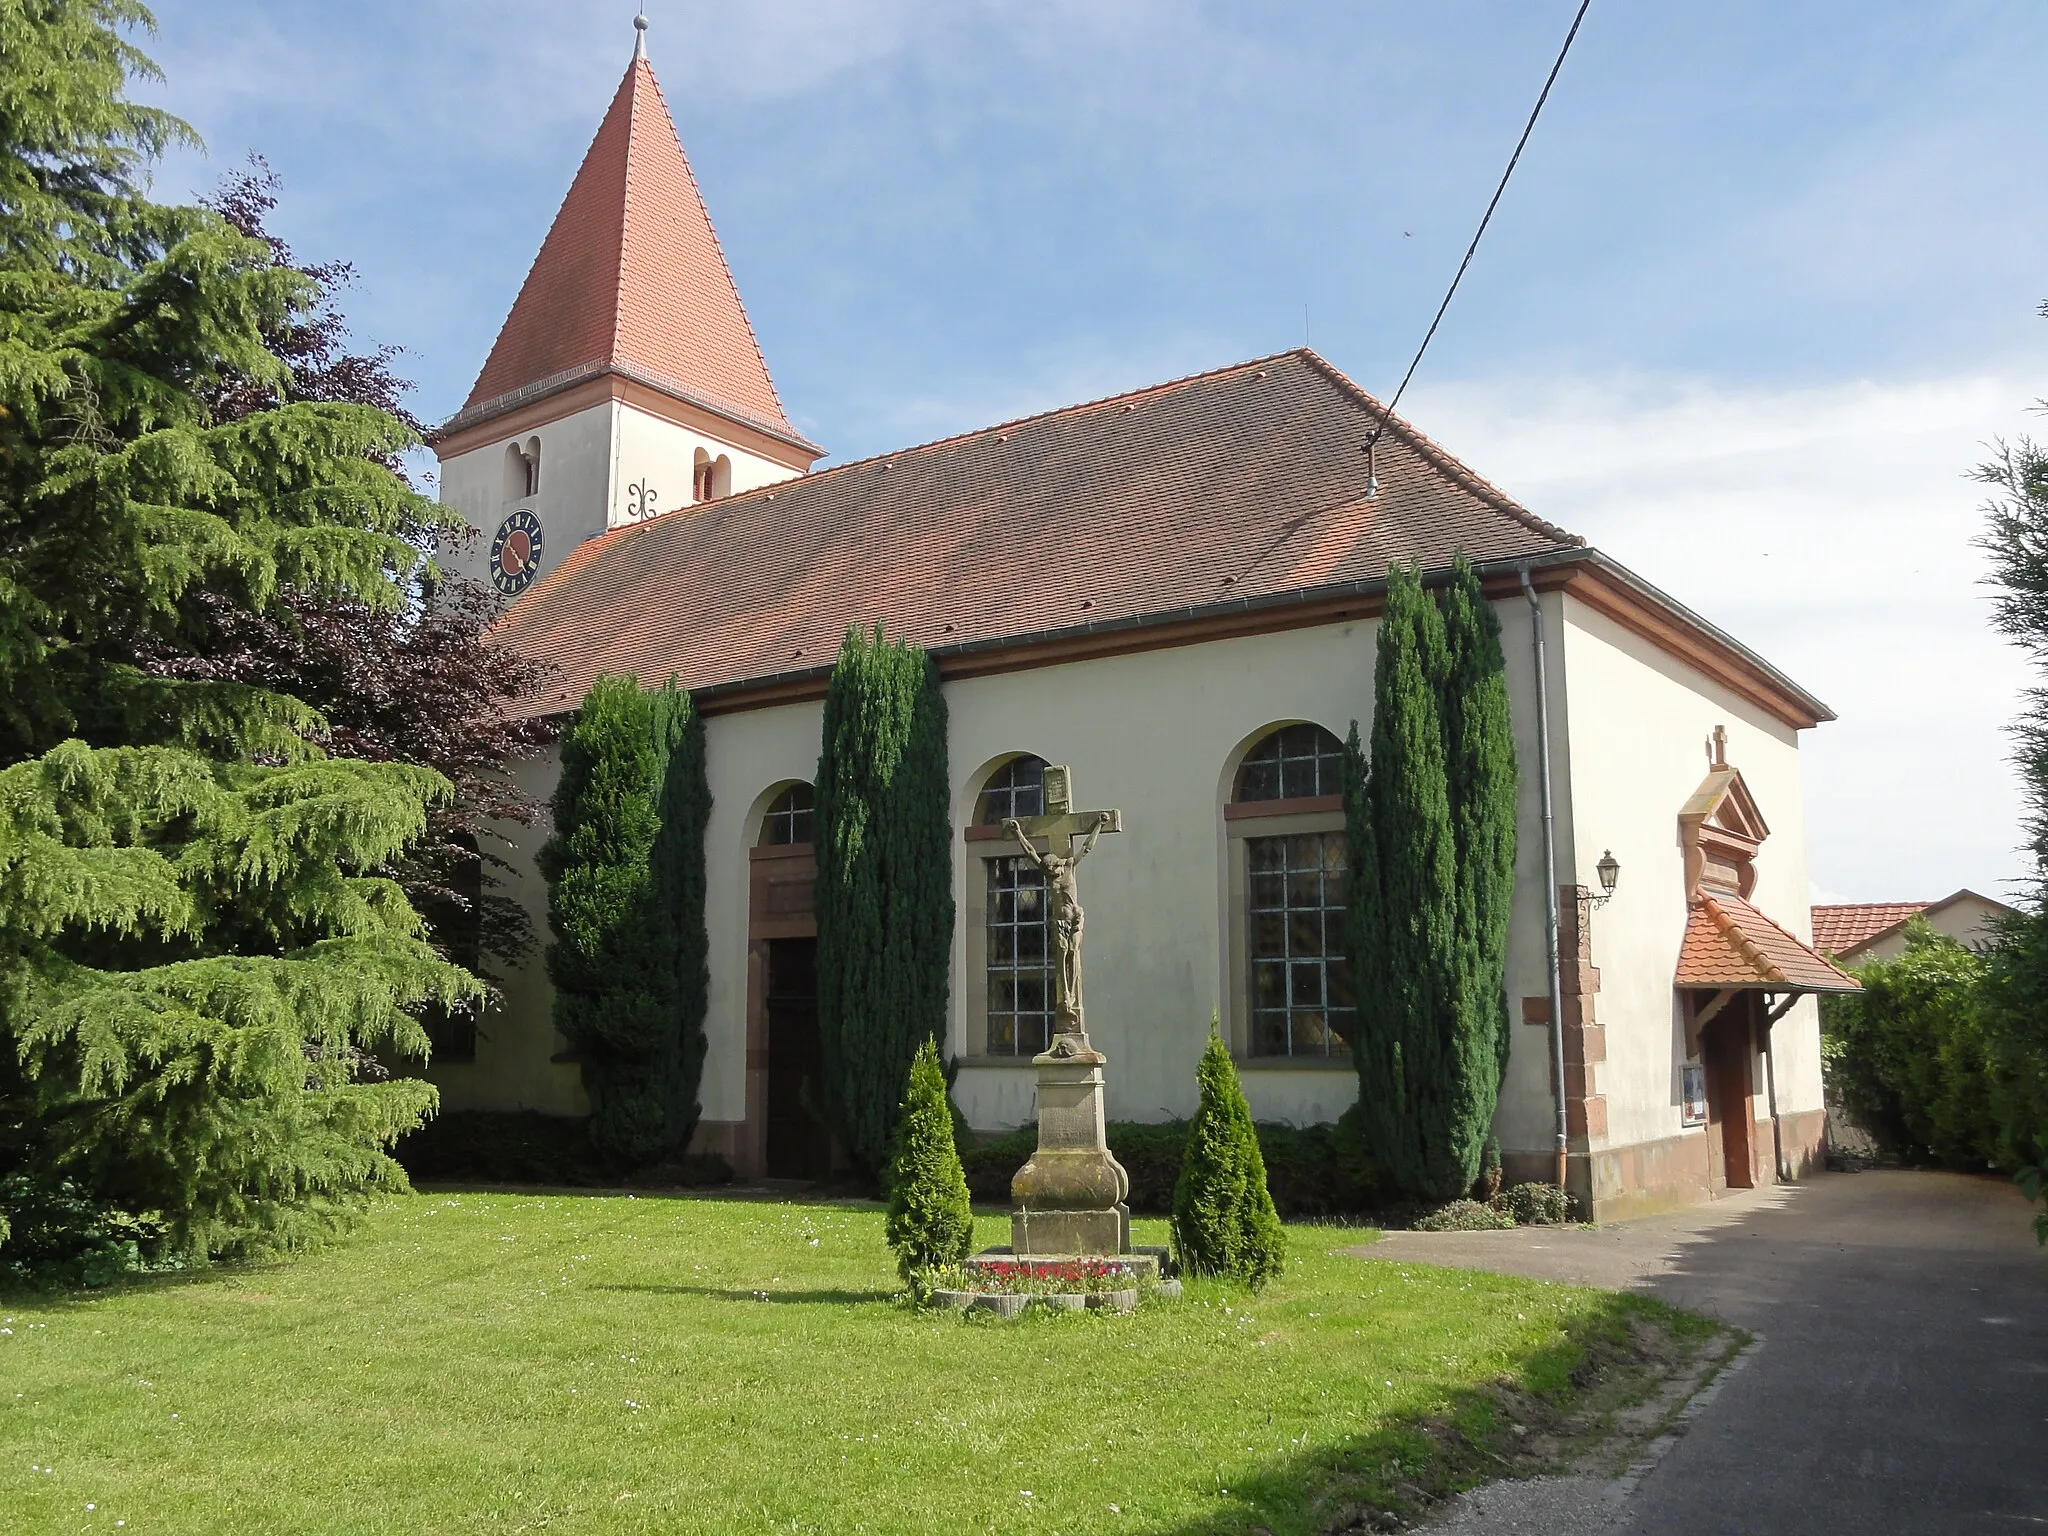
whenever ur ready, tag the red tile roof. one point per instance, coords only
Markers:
(631, 277)
(1238, 485)
(1839, 929)
(1729, 943)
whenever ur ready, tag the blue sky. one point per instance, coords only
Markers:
(1764, 285)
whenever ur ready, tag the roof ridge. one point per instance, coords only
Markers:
(1052, 411)
(1441, 457)
(541, 249)
(1416, 440)
(1731, 932)
(1793, 938)
(631, 273)
(631, 86)
(717, 245)
(768, 492)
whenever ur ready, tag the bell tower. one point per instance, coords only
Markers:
(626, 382)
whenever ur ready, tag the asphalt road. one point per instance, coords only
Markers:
(1901, 1384)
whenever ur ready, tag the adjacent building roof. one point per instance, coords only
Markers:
(1848, 927)
(1839, 929)
(1231, 487)
(631, 279)
(1729, 943)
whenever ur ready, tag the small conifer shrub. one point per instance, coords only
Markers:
(1223, 1217)
(930, 1223)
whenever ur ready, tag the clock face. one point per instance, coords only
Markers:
(515, 553)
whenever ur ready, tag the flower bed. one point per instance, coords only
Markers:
(1035, 1276)
(1007, 1285)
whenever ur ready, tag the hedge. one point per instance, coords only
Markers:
(480, 1146)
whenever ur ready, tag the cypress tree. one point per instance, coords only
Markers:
(1223, 1217)
(884, 898)
(1404, 912)
(685, 813)
(625, 872)
(930, 1220)
(200, 955)
(1480, 762)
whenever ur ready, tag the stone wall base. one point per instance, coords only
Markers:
(1805, 1136)
(726, 1139)
(1613, 1183)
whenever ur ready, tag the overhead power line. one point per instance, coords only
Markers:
(1372, 480)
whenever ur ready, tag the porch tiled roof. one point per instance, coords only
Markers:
(1729, 943)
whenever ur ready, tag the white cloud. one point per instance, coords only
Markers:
(1830, 529)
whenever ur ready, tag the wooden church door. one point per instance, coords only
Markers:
(1724, 1051)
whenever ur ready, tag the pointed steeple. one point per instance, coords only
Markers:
(631, 280)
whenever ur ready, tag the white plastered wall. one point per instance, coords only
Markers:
(746, 756)
(1526, 1120)
(1638, 721)
(662, 456)
(575, 487)
(1157, 734)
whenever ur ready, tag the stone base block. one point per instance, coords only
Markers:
(1071, 1232)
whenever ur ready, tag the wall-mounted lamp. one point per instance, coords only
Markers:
(1609, 869)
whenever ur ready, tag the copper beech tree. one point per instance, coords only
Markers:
(414, 682)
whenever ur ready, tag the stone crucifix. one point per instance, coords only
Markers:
(1063, 893)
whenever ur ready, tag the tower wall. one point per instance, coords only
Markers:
(603, 463)
(572, 497)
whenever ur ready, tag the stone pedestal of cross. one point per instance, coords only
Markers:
(1070, 1198)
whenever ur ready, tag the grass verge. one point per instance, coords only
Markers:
(497, 1362)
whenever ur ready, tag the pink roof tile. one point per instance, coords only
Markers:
(1243, 485)
(1839, 929)
(631, 276)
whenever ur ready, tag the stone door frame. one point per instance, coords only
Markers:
(780, 878)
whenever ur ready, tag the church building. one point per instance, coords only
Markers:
(1172, 592)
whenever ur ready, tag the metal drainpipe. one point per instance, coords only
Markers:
(1549, 872)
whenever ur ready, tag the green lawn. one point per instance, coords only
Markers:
(604, 1363)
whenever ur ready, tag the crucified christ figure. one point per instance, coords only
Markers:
(1064, 920)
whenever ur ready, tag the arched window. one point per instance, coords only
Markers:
(522, 470)
(788, 817)
(1015, 789)
(1296, 762)
(1289, 863)
(710, 478)
(1015, 959)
